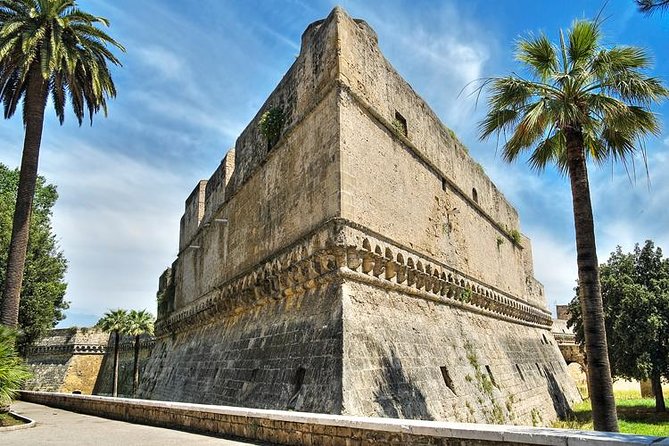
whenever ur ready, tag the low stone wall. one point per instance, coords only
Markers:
(298, 428)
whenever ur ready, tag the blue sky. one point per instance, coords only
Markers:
(196, 72)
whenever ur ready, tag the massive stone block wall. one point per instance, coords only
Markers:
(66, 360)
(363, 264)
(283, 353)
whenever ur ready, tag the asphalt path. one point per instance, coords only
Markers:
(60, 427)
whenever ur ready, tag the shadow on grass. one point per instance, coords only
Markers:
(636, 416)
(629, 413)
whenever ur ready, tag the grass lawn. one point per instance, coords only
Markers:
(636, 415)
(8, 420)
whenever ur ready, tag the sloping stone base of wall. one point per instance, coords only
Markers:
(297, 428)
(281, 354)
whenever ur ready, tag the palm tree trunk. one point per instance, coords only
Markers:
(116, 351)
(135, 369)
(657, 390)
(600, 384)
(35, 104)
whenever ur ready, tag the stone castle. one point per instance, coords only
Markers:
(360, 262)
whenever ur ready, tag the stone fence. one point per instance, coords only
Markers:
(298, 428)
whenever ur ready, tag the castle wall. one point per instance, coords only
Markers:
(421, 187)
(360, 264)
(396, 347)
(252, 358)
(66, 360)
(296, 189)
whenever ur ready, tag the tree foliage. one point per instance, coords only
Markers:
(579, 102)
(43, 292)
(139, 323)
(47, 48)
(650, 6)
(12, 370)
(635, 291)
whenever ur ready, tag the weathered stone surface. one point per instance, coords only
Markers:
(81, 359)
(66, 360)
(298, 428)
(362, 264)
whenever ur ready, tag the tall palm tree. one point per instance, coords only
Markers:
(47, 47)
(139, 322)
(581, 101)
(116, 322)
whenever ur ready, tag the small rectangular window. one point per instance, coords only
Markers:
(444, 184)
(447, 378)
(401, 124)
(520, 372)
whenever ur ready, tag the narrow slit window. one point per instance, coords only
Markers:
(447, 378)
(475, 195)
(492, 378)
(401, 124)
(520, 372)
(539, 369)
(299, 379)
(444, 184)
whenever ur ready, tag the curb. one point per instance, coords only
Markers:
(28, 423)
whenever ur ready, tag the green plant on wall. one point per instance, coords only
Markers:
(515, 236)
(399, 127)
(466, 295)
(271, 124)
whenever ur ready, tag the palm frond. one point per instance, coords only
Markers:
(539, 53)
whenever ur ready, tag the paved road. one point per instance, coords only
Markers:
(60, 427)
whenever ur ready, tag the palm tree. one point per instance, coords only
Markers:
(582, 101)
(47, 47)
(139, 322)
(650, 6)
(115, 321)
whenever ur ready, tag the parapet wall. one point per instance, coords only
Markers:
(299, 428)
(66, 360)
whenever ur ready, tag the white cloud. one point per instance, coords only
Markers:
(554, 266)
(117, 222)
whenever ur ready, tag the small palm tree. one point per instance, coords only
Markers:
(582, 101)
(139, 322)
(47, 47)
(12, 370)
(116, 322)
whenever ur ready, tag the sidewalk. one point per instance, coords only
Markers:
(60, 427)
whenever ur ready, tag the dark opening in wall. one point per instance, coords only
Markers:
(299, 379)
(444, 184)
(492, 378)
(545, 340)
(539, 369)
(475, 195)
(520, 372)
(447, 378)
(297, 386)
(401, 124)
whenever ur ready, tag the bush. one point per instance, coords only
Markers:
(13, 372)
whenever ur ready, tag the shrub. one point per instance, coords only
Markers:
(13, 372)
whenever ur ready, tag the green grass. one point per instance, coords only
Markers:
(635, 416)
(8, 420)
